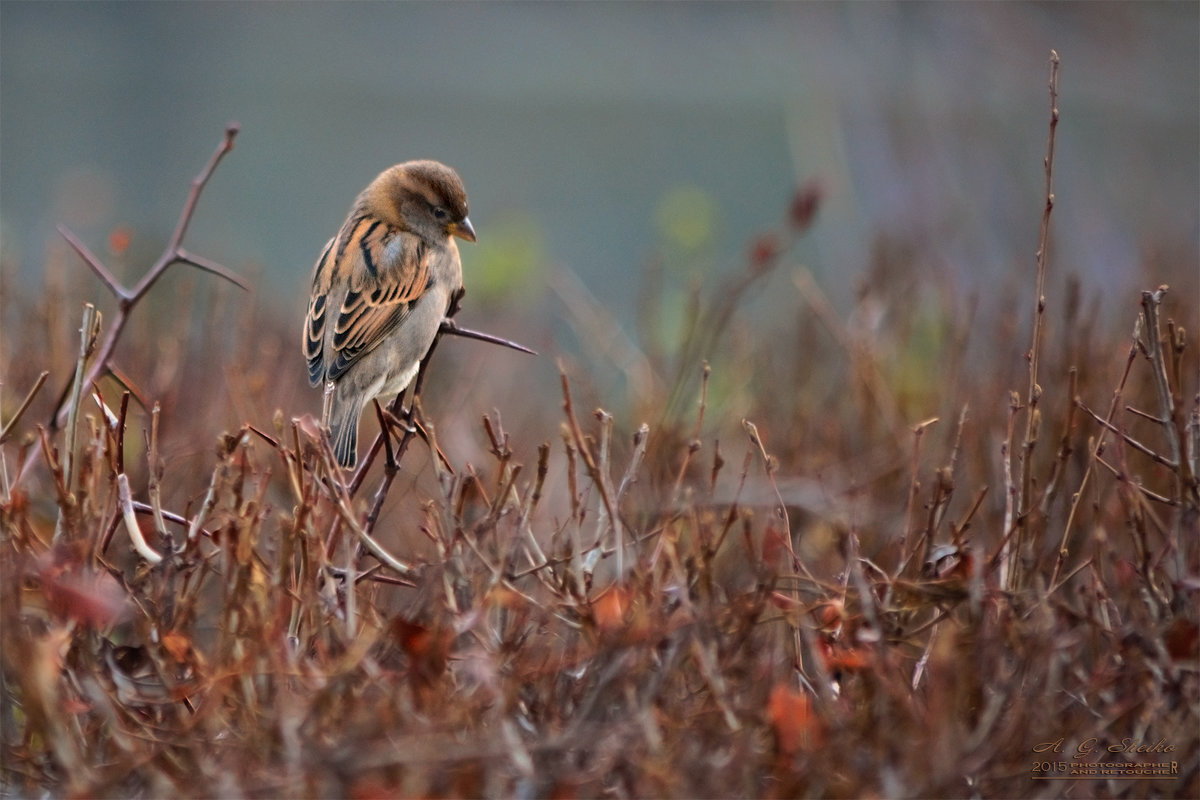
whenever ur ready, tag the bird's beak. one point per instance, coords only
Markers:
(462, 230)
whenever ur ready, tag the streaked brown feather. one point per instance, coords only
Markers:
(381, 291)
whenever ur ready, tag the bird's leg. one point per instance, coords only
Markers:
(327, 404)
(402, 417)
(389, 463)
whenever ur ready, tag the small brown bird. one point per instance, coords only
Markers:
(381, 289)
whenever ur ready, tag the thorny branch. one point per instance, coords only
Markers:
(174, 253)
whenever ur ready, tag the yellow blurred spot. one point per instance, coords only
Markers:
(686, 218)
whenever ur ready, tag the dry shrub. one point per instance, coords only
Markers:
(815, 596)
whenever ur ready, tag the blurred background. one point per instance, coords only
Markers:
(601, 143)
(633, 172)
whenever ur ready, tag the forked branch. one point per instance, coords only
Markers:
(127, 298)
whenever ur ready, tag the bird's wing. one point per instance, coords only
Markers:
(380, 290)
(314, 321)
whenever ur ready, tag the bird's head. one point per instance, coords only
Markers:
(426, 198)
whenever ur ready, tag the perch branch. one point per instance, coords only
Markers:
(452, 328)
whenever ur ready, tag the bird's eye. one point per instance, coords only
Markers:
(440, 214)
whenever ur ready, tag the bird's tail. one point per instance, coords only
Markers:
(343, 431)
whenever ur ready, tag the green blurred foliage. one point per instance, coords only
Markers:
(687, 225)
(509, 257)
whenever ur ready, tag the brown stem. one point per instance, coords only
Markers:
(1032, 413)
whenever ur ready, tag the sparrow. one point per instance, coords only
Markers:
(381, 289)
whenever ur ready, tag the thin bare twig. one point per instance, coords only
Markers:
(7, 427)
(907, 547)
(694, 445)
(452, 328)
(1162, 385)
(154, 488)
(1064, 443)
(1034, 391)
(1125, 437)
(1032, 395)
(1004, 553)
(131, 524)
(89, 330)
(599, 480)
(635, 462)
(1095, 452)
